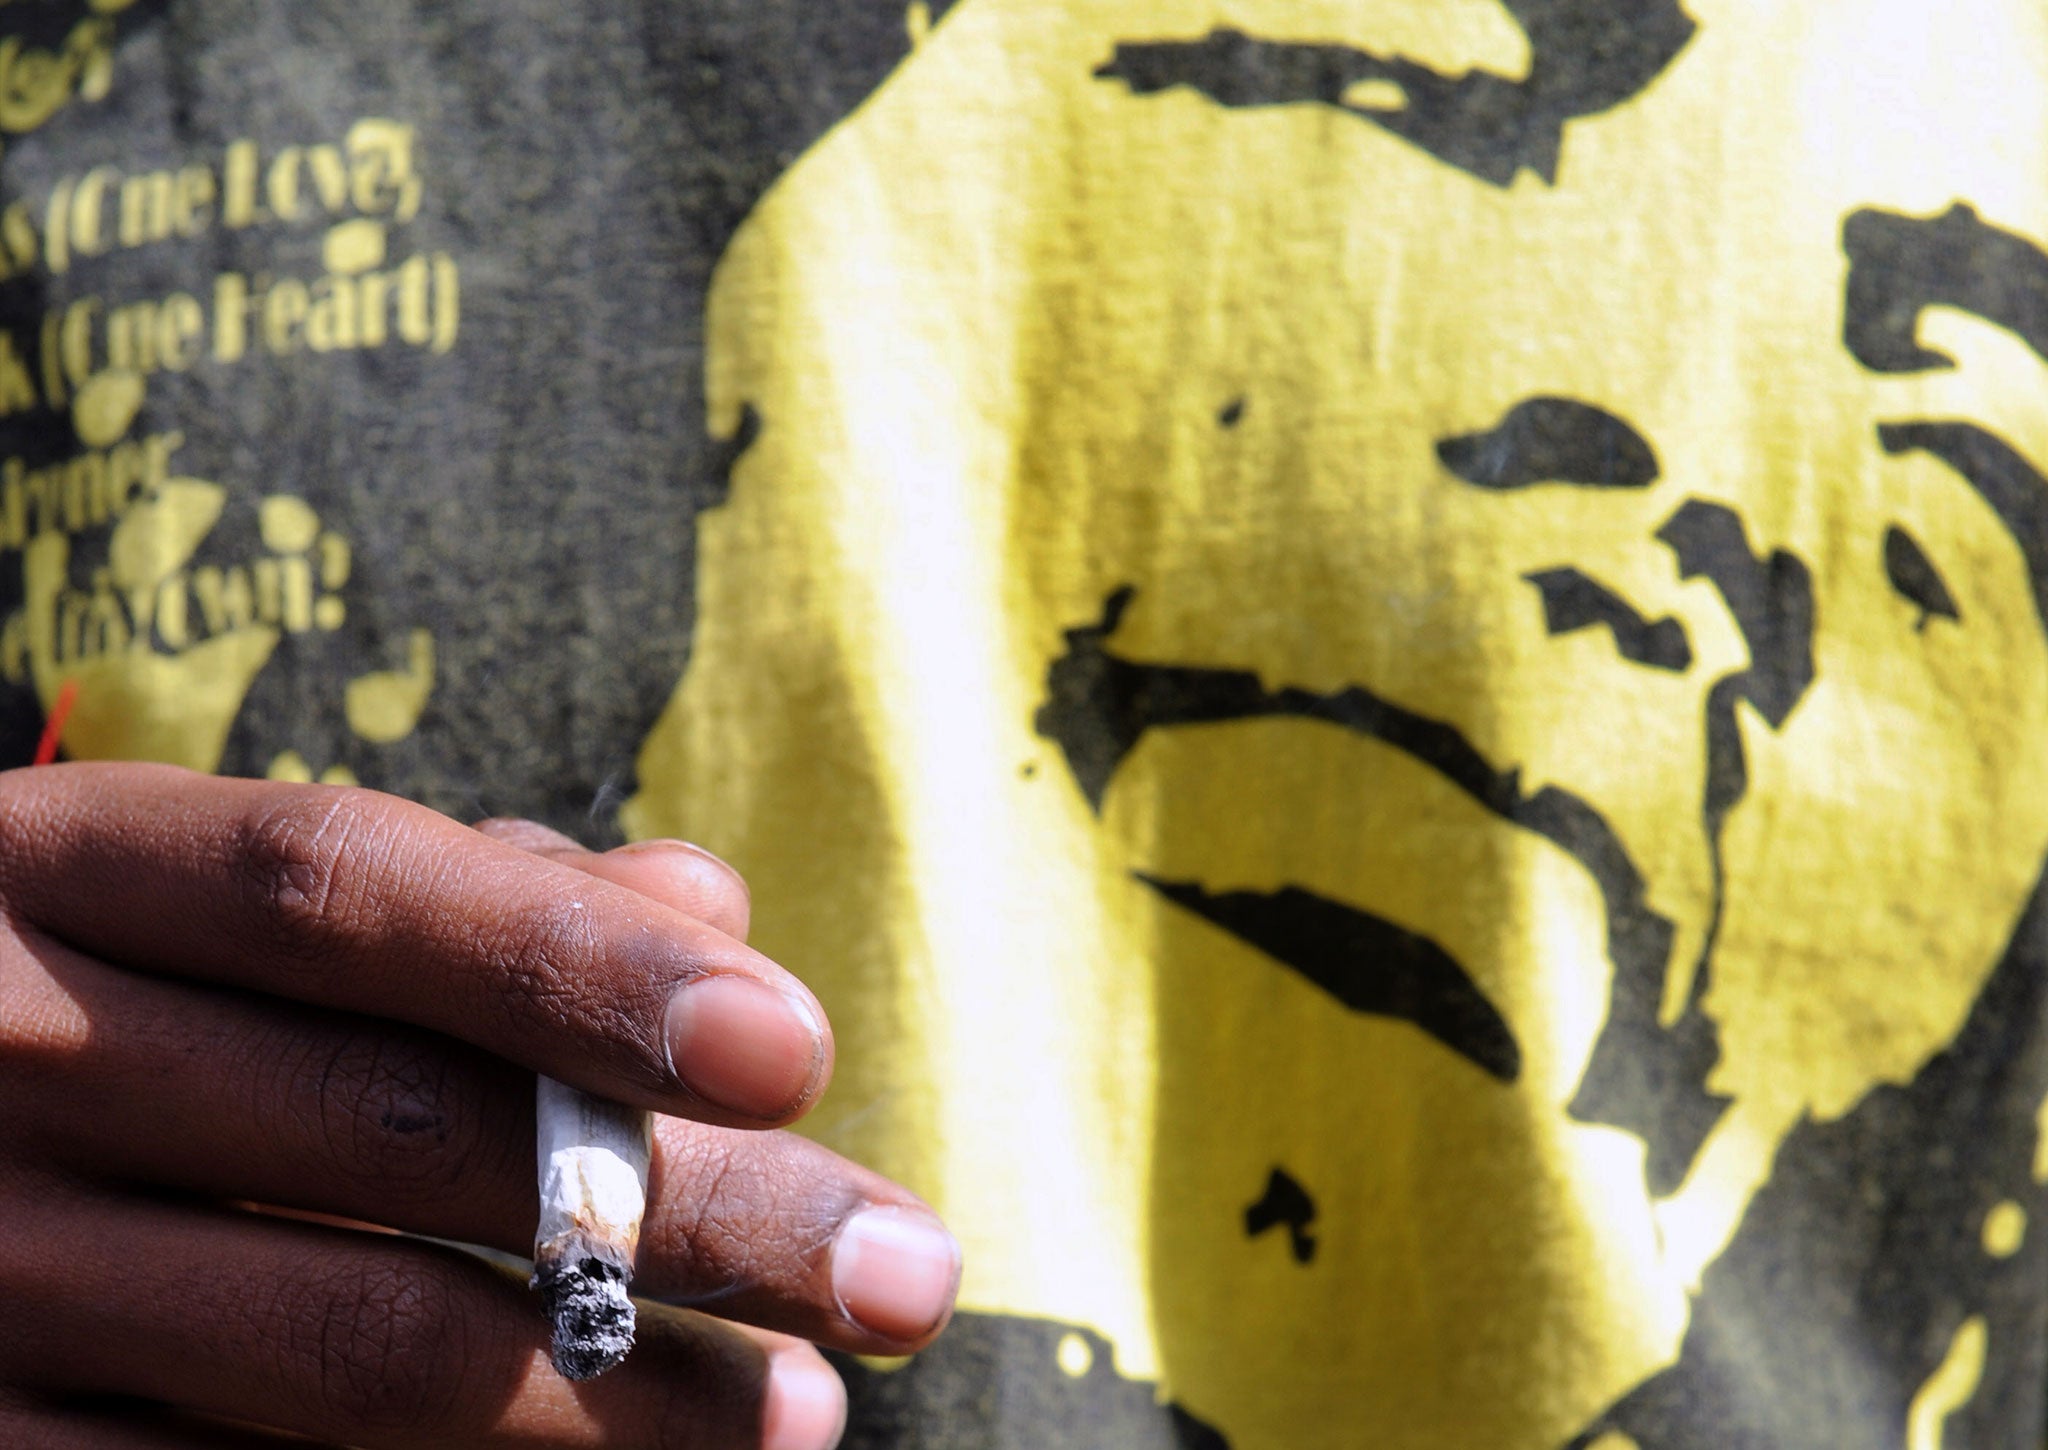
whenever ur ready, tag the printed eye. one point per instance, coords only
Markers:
(1916, 579)
(1553, 440)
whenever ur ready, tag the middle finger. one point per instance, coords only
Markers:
(244, 1097)
(378, 1342)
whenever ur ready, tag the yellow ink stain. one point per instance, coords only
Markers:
(136, 703)
(1074, 1356)
(290, 766)
(2005, 1229)
(96, 76)
(335, 560)
(1376, 94)
(178, 709)
(384, 707)
(917, 20)
(155, 538)
(1949, 1388)
(106, 406)
(288, 525)
(2041, 1142)
(354, 246)
(36, 84)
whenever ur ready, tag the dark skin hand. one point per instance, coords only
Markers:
(220, 994)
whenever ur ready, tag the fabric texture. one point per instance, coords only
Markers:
(1386, 660)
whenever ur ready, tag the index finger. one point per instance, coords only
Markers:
(350, 899)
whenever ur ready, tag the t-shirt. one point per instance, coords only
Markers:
(1387, 660)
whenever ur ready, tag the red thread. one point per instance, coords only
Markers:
(53, 728)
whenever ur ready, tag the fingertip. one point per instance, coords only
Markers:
(668, 846)
(679, 875)
(526, 835)
(752, 1049)
(751, 1045)
(805, 1405)
(896, 1272)
(686, 877)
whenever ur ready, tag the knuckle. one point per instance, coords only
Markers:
(293, 861)
(383, 1107)
(388, 1346)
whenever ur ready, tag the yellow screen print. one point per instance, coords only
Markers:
(1274, 649)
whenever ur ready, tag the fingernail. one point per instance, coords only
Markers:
(743, 1045)
(895, 1271)
(805, 1407)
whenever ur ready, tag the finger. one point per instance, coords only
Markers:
(249, 1098)
(806, 1403)
(527, 835)
(681, 876)
(783, 1233)
(373, 1342)
(94, 1425)
(350, 899)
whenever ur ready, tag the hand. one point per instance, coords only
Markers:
(219, 994)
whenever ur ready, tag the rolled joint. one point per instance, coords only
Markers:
(593, 1162)
(592, 1194)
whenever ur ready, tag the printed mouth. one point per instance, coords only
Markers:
(1643, 1077)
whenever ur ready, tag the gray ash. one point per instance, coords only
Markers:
(593, 1318)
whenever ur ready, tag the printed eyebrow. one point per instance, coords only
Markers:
(1585, 57)
(1553, 440)
(1900, 266)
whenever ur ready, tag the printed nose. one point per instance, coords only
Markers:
(1573, 601)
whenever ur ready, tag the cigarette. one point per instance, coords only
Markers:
(593, 1158)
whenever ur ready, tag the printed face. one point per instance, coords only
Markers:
(1325, 687)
